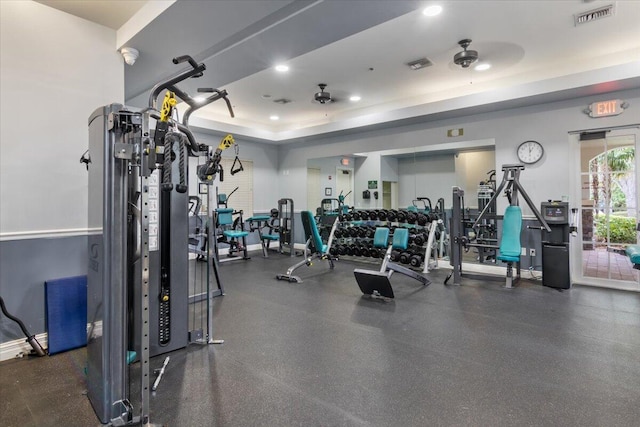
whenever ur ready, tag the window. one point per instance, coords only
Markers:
(242, 198)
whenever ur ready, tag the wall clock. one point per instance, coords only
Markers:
(530, 152)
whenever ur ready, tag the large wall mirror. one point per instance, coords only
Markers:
(394, 179)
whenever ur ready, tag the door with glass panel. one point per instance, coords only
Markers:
(608, 208)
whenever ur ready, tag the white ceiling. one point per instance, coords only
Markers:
(362, 47)
(112, 14)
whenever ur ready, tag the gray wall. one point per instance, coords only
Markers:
(56, 70)
(266, 190)
(547, 123)
(24, 267)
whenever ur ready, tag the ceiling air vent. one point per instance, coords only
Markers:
(282, 101)
(420, 63)
(593, 15)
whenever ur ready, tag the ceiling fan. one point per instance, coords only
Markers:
(323, 97)
(465, 57)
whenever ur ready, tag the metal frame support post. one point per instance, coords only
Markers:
(456, 235)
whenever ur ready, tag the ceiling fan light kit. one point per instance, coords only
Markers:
(322, 97)
(466, 57)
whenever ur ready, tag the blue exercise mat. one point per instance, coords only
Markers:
(66, 308)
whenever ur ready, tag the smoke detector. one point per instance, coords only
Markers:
(466, 57)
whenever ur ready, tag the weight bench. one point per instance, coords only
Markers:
(313, 248)
(377, 283)
(510, 243)
(633, 252)
(258, 223)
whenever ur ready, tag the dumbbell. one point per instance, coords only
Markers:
(416, 259)
(362, 231)
(370, 232)
(357, 250)
(395, 255)
(333, 250)
(338, 233)
(401, 216)
(405, 257)
(420, 239)
(392, 215)
(365, 251)
(349, 250)
(412, 217)
(423, 219)
(342, 249)
(352, 231)
(374, 253)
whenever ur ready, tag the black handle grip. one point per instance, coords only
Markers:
(184, 58)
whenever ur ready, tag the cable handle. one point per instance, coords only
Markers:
(183, 58)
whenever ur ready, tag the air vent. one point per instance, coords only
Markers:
(594, 15)
(420, 63)
(282, 101)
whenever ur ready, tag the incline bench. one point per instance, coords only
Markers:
(633, 252)
(376, 283)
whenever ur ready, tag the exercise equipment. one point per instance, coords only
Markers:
(510, 243)
(286, 230)
(229, 230)
(138, 266)
(377, 283)
(197, 229)
(31, 339)
(512, 225)
(260, 223)
(314, 248)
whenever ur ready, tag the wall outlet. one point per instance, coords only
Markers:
(523, 251)
(532, 252)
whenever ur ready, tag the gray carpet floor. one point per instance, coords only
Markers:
(318, 353)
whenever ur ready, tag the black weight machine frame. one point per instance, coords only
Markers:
(512, 188)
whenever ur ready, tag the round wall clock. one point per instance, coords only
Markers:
(530, 152)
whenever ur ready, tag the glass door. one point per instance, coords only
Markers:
(608, 209)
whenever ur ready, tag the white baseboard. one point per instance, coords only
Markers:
(20, 348)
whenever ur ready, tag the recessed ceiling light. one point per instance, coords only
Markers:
(199, 99)
(482, 67)
(282, 68)
(274, 117)
(432, 10)
(355, 98)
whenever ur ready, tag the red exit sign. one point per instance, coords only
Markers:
(606, 108)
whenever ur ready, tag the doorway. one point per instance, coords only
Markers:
(607, 193)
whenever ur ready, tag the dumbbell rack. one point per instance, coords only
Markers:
(354, 236)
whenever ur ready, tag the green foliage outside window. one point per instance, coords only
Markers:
(622, 229)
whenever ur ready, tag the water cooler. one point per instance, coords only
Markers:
(555, 245)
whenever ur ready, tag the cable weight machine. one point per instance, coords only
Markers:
(459, 241)
(138, 258)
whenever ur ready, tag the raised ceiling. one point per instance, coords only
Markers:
(104, 12)
(536, 51)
